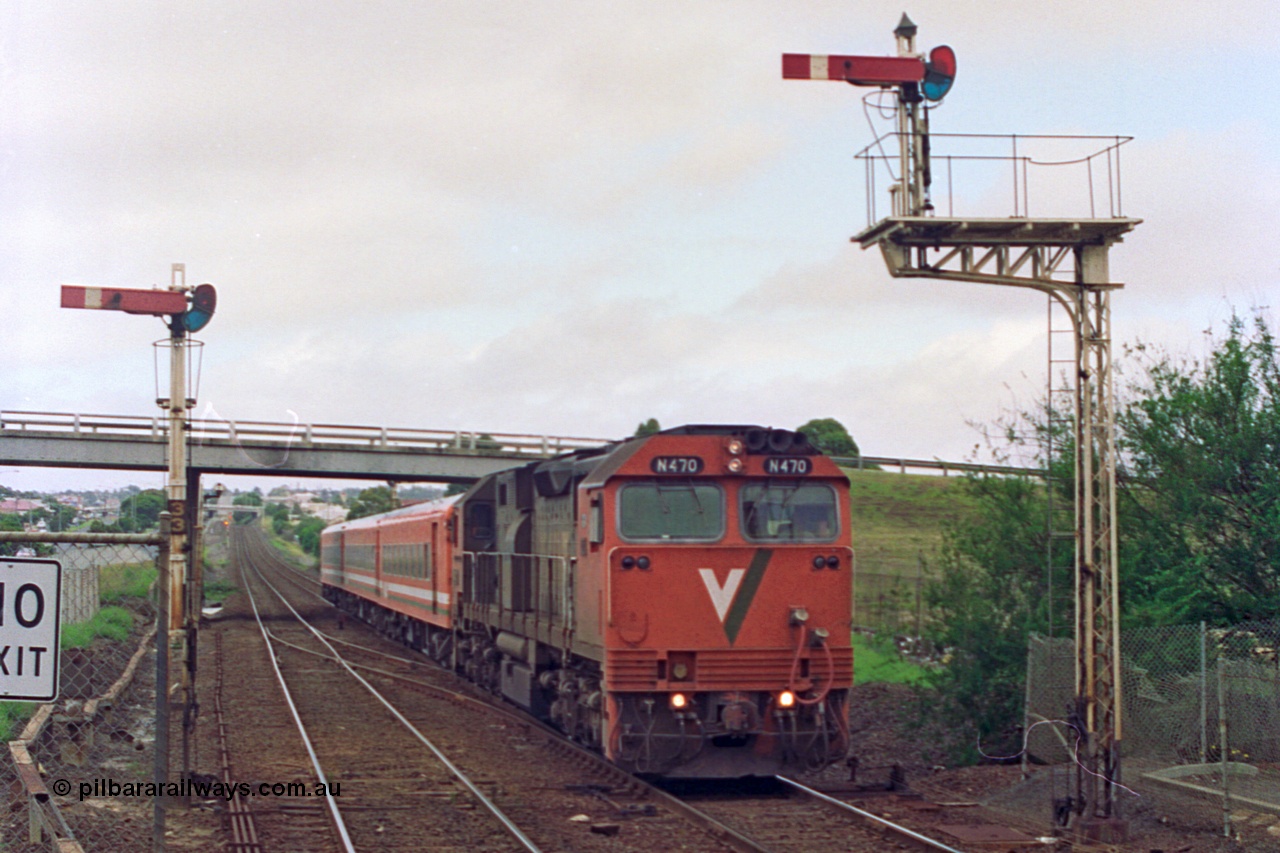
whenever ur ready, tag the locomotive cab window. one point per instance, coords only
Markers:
(480, 523)
(662, 510)
(789, 512)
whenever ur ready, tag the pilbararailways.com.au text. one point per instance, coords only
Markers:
(98, 788)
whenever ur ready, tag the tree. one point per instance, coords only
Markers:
(647, 428)
(253, 498)
(830, 436)
(487, 444)
(372, 501)
(308, 532)
(1198, 526)
(279, 515)
(58, 516)
(14, 524)
(991, 593)
(1201, 503)
(141, 510)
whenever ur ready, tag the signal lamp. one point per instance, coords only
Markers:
(203, 302)
(819, 562)
(940, 72)
(734, 466)
(643, 563)
(679, 701)
(786, 699)
(734, 446)
(628, 562)
(833, 562)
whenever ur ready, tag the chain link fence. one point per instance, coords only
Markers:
(64, 756)
(886, 603)
(1201, 713)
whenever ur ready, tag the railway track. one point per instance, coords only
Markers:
(393, 795)
(376, 797)
(783, 815)
(557, 796)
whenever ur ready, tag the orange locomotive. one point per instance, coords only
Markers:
(680, 602)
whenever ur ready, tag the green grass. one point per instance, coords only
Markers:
(215, 592)
(876, 661)
(125, 580)
(292, 551)
(898, 519)
(13, 716)
(112, 622)
(898, 522)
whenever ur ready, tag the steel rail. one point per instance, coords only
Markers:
(719, 831)
(244, 831)
(489, 805)
(846, 808)
(713, 827)
(334, 811)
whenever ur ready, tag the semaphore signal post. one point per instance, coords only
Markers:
(1065, 257)
(188, 310)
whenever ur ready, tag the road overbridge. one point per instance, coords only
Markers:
(267, 448)
(130, 442)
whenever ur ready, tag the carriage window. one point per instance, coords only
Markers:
(663, 509)
(789, 512)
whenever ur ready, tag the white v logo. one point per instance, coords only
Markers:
(722, 596)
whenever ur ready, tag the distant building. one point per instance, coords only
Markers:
(330, 513)
(10, 506)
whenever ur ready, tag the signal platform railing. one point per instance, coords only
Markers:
(999, 175)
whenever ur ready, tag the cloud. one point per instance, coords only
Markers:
(570, 218)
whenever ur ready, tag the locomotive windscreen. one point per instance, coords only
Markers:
(806, 512)
(664, 510)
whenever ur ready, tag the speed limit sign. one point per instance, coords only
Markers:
(30, 604)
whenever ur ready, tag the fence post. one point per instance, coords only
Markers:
(160, 768)
(1204, 693)
(1222, 743)
(1026, 711)
(919, 595)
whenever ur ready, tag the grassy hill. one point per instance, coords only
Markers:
(898, 521)
(899, 517)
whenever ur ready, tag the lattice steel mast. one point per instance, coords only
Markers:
(1066, 258)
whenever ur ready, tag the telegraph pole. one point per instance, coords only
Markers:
(1066, 258)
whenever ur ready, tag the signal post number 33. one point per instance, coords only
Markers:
(30, 604)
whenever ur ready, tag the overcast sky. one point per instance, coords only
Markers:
(569, 217)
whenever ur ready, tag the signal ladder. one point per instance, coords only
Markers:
(1061, 412)
(1061, 496)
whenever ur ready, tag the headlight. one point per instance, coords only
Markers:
(786, 699)
(678, 701)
